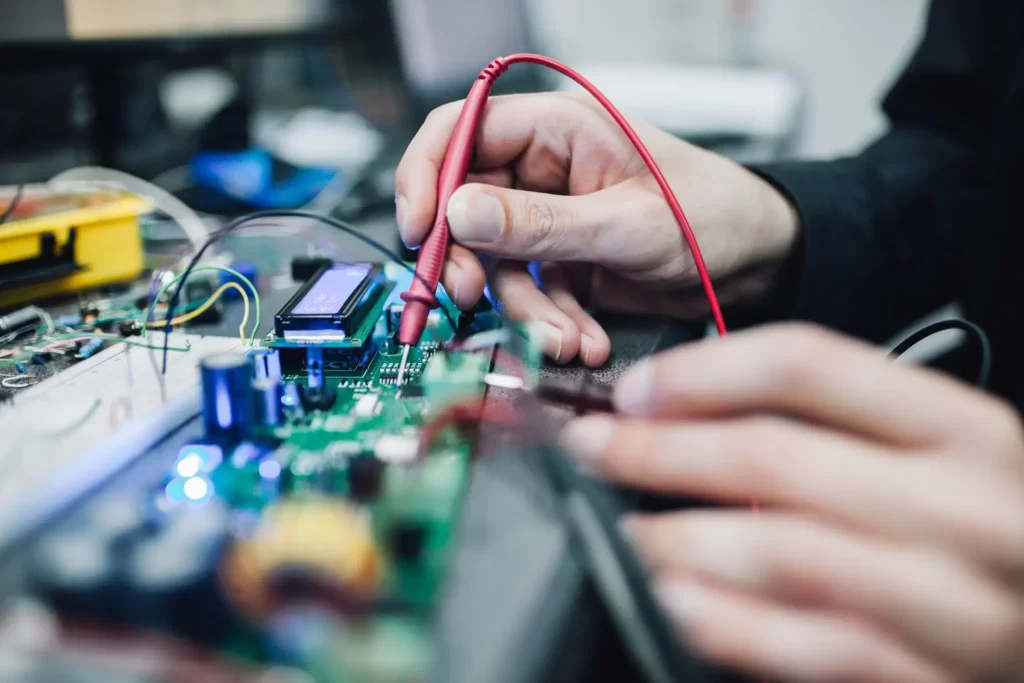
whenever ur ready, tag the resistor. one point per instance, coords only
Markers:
(90, 348)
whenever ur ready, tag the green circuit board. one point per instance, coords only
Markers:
(344, 502)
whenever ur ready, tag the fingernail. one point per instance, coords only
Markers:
(475, 216)
(586, 343)
(634, 393)
(586, 439)
(553, 335)
(401, 212)
(683, 601)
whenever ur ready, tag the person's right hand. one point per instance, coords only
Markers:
(555, 181)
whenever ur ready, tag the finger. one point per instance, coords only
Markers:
(804, 371)
(780, 462)
(595, 346)
(927, 599)
(757, 636)
(524, 301)
(417, 172)
(463, 277)
(413, 226)
(772, 460)
(534, 226)
(507, 129)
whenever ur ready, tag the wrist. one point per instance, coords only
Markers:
(779, 223)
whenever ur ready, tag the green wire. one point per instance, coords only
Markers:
(225, 269)
(27, 355)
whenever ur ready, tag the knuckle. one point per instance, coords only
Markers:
(791, 562)
(542, 220)
(753, 450)
(442, 113)
(797, 353)
(632, 451)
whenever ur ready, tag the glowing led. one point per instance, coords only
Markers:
(175, 489)
(196, 488)
(190, 465)
(208, 456)
(270, 469)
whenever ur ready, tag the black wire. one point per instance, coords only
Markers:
(9, 211)
(984, 345)
(281, 213)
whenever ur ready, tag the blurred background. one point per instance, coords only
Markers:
(204, 96)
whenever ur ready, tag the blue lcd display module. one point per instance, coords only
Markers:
(333, 289)
(331, 305)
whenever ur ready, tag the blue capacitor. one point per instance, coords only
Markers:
(268, 396)
(227, 397)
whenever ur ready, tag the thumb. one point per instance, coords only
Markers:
(527, 225)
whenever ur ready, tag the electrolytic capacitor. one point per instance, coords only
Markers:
(268, 393)
(227, 397)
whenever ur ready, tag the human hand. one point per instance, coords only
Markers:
(890, 541)
(555, 181)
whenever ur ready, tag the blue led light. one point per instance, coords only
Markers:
(207, 456)
(175, 489)
(189, 466)
(270, 469)
(197, 489)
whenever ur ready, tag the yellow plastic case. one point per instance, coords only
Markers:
(67, 243)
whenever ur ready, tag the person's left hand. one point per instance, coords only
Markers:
(890, 542)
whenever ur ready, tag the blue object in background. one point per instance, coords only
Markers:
(246, 268)
(248, 176)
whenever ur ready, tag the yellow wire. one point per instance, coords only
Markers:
(192, 315)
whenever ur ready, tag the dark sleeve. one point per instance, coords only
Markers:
(884, 232)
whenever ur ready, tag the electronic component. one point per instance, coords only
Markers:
(316, 394)
(23, 317)
(326, 544)
(305, 267)
(397, 449)
(90, 348)
(266, 362)
(227, 397)
(331, 305)
(246, 269)
(268, 394)
(366, 406)
(406, 540)
(169, 581)
(365, 477)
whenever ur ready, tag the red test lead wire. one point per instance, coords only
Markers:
(420, 298)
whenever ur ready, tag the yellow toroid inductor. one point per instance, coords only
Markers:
(330, 542)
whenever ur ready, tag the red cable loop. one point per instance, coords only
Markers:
(652, 165)
(419, 299)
